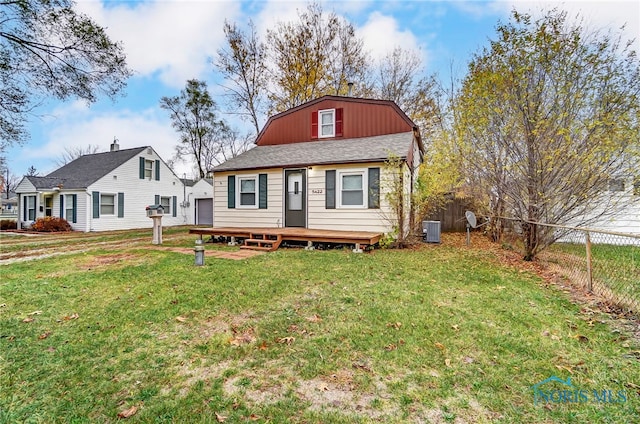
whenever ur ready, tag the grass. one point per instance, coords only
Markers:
(439, 334)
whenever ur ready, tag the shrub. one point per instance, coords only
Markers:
(8, 224)
(51, 224)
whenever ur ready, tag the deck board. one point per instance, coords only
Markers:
(294, 234)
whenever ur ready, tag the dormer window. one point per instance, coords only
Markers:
(327, 120)
(326, 123)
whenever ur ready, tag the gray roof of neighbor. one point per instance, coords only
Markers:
(323, 152)
(85, 170)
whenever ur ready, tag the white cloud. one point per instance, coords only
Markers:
(381, 34)
(171, 39)
(78, 126)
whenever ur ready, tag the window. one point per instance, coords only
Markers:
(636, 186)
(351, 189)
(68, 211)
(327, 120)
(107, 204)
(48, 206)
(148, 169)
(616, 184)
(31, 208)
(165, 202)
(247, 191)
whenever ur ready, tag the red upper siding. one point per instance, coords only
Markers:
(360, 118)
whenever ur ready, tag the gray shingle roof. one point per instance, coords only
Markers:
(85, 170)
(365, 149)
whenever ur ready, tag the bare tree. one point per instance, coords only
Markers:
(203, 136)
(243, 64)
(72, 153)
(547, 116)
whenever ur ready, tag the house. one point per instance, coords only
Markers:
(105, 191)
(8, 204)
(322, 165)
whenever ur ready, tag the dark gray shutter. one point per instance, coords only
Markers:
(231, 191)
(141, 168)
(96, 204)
(74, 203)
(62, 206)
(175, 206)
(120, 205)
(374, 188)
(262, 189)
(25, 214)
(330, 189)
(157, 170)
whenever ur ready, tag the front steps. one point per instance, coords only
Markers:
(263, 242)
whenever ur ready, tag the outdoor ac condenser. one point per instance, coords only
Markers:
(431, 231)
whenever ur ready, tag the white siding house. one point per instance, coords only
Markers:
(105, 191)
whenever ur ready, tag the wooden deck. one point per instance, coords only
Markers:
(260, 236)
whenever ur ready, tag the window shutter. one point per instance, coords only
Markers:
(96, 204)
(74, 204)
(120, 205)
(62, 206)
(339, 122)
(175, 206)
(141, 168)
(231, 191)
(156, 199)
(314, 124)
(262, 191)
(330, 189)
(25, 212)
(374, 188)
(157, 170)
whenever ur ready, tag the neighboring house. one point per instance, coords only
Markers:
(8, 204)
(105, 191)
(201, 194)
(624, 207)
(321, 165)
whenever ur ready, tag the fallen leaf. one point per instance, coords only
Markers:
(440, 346)
(3, 305)
(128, 412)
(243, 338)
(35, 313)
(286, 340)
(468, 360)
(70, 317)
(581, 338)
(44, 335)
(254, 417)
(314, 318)
(455, 327)
(27, 319)
(181, 319)
(220, 418)
(390, 347)
(395, 325)
(447, 362)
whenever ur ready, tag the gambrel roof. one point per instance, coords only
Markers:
(85, 170)
(364, 149)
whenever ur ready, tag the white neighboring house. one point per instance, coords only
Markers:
(624, 198)
(106, 191)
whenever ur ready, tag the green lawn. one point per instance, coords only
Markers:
(440, 334)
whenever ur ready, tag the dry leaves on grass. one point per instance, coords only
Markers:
(242, 338)
(314, 318)
(127, 413)
(220, 418)
(286, 340)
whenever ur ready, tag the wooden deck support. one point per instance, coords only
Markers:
(271, 238)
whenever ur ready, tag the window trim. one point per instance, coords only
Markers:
(114, 205)
(322, 112)
(167, 210)
(30, 208)
(148, 169)
(256, 191)
(68, 207)
(363, 173)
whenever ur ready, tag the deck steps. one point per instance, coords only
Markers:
(263, 242)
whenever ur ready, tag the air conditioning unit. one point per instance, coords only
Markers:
(431, 231)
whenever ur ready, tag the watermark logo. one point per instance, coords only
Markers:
(568, 393)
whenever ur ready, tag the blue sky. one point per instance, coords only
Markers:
(170, 41)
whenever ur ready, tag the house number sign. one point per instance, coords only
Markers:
(317, 191)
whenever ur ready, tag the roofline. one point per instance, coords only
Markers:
(337, 98)
(302, 165)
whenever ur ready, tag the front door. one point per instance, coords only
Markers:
(295, 199)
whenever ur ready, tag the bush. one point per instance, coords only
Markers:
(8, 224)
(51, 224)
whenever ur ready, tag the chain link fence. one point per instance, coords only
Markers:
(602, 262)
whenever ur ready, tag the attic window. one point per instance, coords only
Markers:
(327, 119)
(148, 169)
